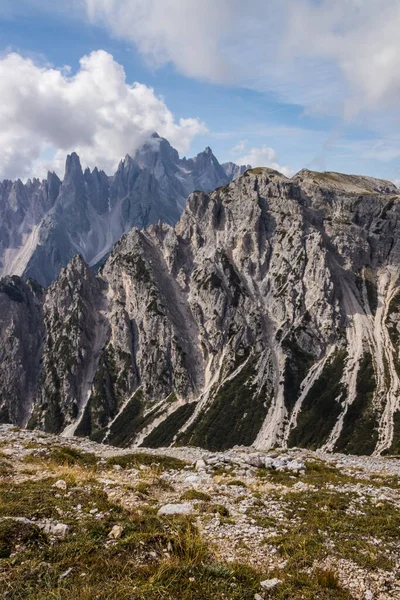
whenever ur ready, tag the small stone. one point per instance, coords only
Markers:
(66, 573)
(116, 532)
(59, 530)
(193, 479)
(176, 509)
(200, 464)
(295, 466)
(279, 464)
(60, 484)
(258, 597)
(255, 460)
(117, 467)
(368, 595)
(269, 584)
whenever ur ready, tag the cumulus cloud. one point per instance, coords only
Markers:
(240, 147)
(264, 157)
(187, 33)
(356, 41)
(45, 110)
(339, 57)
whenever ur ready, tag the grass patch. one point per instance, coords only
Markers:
(13, 533)
(148, 487)
(305, 586)
(327, 579)
(135, 460)
(196, 495)
(6, 468)
(236, 482)
(317, 516)
(215, 509)
(63, 456)
(157, 558)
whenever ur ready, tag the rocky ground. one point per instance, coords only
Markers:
(80, 520)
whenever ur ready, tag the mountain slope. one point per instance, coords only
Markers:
(43, 224)
(270, 315)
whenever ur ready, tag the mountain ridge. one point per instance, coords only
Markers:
(268, 316)
(44, 223)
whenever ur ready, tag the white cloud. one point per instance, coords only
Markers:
(95, 112)
(240, 147)
(264, 157)
(340, 57)
(358, 44)
(185, 33)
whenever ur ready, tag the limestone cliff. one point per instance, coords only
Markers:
(268, 316)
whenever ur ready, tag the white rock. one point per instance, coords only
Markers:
(268, 462)
(66, 573)
(176, 509)
(295, 466)
(368, 595)
(116, 532)
(255, 460)
(200, 464)
(279, 464)
(60, 484)
(269, 584)
(53, 528)
(193, 479)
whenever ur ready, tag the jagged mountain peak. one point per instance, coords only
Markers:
(72, 165)
(77, 267)
(269, 315)
(46, 223)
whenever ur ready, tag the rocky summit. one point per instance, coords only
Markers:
(269, 316)
(45, 223)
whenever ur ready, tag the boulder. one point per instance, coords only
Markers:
(255, 460)
(270, 584)
(175, 509)
(60, 485)
(116, 532)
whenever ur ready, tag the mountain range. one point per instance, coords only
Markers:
(43, 224)
(269, 315)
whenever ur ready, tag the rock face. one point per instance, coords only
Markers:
(234, 171)
(270, 315)
(45, 223)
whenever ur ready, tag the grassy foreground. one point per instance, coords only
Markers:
(168, 558)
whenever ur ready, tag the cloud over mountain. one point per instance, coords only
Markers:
(46, 112)
(338, 57)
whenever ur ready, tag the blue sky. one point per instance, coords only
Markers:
(289, 85)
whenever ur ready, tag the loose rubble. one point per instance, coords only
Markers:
(243, 503)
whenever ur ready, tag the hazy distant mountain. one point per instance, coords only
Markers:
(43, 224)
(233, 170)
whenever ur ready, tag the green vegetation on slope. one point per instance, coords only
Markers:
(233, 417)
(359, 434)
(321, 407)
(164, 433)
(297, 366)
